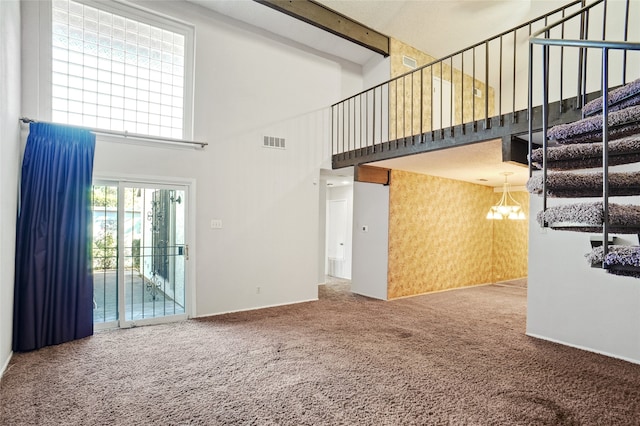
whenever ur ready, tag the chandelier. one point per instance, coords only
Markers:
(507, 207)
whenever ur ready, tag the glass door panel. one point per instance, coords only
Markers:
(105, 253)
(139, 253)
(154, 252)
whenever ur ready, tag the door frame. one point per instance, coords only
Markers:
(448, 88)
(189, 185)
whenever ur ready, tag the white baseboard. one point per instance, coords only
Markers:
(584, 348)
(255, 309)
(5, 365)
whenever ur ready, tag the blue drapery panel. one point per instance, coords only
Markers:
(53, 300)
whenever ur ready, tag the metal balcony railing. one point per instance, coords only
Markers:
(469, 91)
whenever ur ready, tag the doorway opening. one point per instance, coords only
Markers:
(337, 222)
(139, 253)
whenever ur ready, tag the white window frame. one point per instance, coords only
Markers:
(136, 12)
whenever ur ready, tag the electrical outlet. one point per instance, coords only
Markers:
(257, 290)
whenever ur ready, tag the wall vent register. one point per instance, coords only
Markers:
(273, 142)
(409, 62)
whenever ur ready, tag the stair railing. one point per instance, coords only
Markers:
(584, 44)
(484, 83)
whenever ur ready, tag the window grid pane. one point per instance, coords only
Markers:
(117, 73)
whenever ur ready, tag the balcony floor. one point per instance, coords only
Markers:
(139, 298)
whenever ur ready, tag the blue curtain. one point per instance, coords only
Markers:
(53, 299)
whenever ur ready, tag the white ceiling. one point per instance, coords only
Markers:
(437, 27)
(479, 163)
(289, 28)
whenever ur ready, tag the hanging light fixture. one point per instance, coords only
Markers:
(507, 207)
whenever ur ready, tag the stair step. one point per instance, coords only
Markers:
(622, 123)
(620, 260)
(620, 98)
(575, 185)
(588, 217)
(589, 155)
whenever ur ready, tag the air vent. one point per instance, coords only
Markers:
(273, 142)
(409, 62)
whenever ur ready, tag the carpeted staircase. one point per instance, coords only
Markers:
(578, 146)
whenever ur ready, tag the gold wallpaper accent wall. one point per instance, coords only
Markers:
(407, 115)
(439, 237)
(511, 242)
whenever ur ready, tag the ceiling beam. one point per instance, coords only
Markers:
(329, 20)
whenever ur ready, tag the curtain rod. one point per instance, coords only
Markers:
(124, 134)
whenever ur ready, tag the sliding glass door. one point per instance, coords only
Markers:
(139, 253)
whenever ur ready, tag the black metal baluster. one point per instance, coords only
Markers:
(500, 88)
(451, 112)
(373, 124)
(464, 127)
(366, 120)
(626, 38)
(513, 109)
(605, 153)
(487, 123)
(412, 133)
(349, 127)
(473, 94)
(431, 112)
(561, 65)
(441, 96)
(421, 105)
(545, 122)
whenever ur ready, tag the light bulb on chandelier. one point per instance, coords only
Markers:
(507, 207)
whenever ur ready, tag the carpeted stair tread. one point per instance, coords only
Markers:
(620, 260)
(620, 98)
(622, 123)
(589, 184)
(589, 155)
(588, 217)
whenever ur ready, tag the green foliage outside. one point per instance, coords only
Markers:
(105, 251)
(105, 196)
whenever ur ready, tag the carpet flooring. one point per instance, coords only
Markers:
(451, 358)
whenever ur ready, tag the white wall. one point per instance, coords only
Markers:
(9, 165)
(571, 303)
(376, 71)
(247, 86)
(370, 247)
(342, 269)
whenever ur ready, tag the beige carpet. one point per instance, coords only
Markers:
(451, 358)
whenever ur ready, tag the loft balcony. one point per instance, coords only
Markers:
(477, 94)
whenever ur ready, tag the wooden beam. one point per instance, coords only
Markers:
(321, 16)
(372, 174)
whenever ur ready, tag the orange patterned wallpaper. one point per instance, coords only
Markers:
(407, 117)
(440, 239)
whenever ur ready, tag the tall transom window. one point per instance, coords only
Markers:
(120, 68)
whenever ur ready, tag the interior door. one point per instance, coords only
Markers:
(443, 107)
(336, 237)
